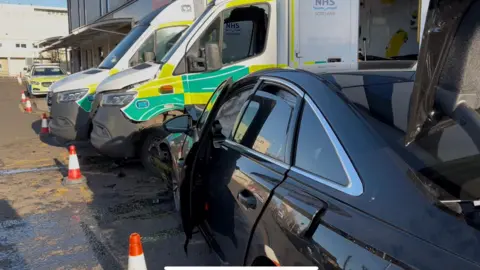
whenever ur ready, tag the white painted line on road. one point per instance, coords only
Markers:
(39, 169)
(53, 168)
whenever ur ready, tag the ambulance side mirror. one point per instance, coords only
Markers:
(213, 57)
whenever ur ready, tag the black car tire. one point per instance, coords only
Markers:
(155, 137)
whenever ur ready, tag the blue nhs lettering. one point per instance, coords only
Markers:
(324, 4)
(232, 28)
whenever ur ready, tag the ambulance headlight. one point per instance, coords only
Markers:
(118, 99)
(73, 95)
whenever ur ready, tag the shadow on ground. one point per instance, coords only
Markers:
(124, 198)
(10, 222)
(37, 126)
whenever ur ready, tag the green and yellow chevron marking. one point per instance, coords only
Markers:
(86, 102)
(188, 89)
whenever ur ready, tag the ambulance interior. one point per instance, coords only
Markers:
(389, 30)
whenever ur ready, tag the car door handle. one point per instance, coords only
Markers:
(247, 199)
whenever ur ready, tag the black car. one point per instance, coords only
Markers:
(360, 170)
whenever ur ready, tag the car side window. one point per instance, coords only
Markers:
(244, 32)
(231, 108)
(243, 36)
(265, 123)
(315, 152)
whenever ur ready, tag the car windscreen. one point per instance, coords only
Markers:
(446, 157)
(47, 71)
(114, 56)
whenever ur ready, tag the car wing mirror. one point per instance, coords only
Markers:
(179, 124)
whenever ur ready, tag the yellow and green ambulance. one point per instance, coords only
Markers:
(234, 38)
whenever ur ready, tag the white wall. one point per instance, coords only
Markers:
(25, 24)
(16, 66)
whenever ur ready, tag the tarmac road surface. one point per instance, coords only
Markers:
(45, 225)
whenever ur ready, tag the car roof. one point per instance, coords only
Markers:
(307, 80)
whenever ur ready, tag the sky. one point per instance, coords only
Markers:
(48, 3)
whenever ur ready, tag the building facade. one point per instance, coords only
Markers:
(22, 28)
(97, 26)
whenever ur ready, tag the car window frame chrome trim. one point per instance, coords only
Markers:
(355, 185)
(284, 83)
(258, 154)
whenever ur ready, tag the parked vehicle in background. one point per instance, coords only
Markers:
(71, 99)
(41, 76)
(233, 39)
(352, 170)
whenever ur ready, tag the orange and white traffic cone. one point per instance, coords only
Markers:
(24, 98)
(28, 106)
(74, 175)
(45, 129)
(136, 259)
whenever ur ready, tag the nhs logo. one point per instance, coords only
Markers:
(324, 5)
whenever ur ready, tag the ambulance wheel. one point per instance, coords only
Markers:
(155, 157)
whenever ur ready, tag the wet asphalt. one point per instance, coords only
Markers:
(45, 225)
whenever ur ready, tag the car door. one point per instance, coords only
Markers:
(306, 216)
(248, 164)
(191, 189)
(180, 144)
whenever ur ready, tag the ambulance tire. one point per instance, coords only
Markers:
(150, 144)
